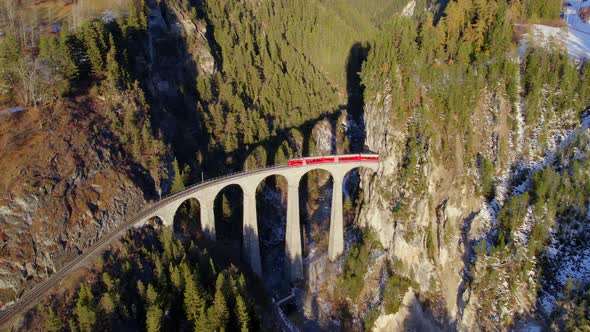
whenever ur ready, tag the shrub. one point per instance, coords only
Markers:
(370, 318)
(394, 291)
(487, 178)
(355, 266)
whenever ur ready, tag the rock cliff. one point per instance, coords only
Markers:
(64, 185)
(429, 225)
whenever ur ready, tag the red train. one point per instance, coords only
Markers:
(332, 159)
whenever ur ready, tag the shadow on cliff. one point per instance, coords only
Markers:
(172, 94)
(356, 100)
(168, 73)
(467, 254)
(422, 317)
(162, 62)
(220, 162)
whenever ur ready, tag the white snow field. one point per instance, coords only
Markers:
(576, 36)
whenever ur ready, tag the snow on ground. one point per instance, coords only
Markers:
(409, 9)
(571, 258)
(571, 262)
(522, 233)
(579, 31)
(556, 143)
(576, 266)
(13, 110)
(576, 37)
(546, 300)
(530, 327)
(576, 41)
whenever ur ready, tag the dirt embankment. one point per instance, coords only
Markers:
(63, 184)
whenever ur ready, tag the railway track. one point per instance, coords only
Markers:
(33, 296)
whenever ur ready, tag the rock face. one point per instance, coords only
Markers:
(430, 221)
(410, 317)
(426, 232)
(65, 181)
(62, 187)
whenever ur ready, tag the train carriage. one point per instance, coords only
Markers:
(331, 159)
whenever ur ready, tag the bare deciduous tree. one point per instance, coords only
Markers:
(27, 72)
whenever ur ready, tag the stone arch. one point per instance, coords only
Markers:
(187, 219)
(271, 210)
(274, 180)
(315, 197)
(352, 194)
(228, 214)
(155, 221)
(354, 175)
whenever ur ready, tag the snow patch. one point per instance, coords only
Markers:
(546, 302)
(13, 110)
(409, 8)
(576, 36)
(530, 327)
(576, 266)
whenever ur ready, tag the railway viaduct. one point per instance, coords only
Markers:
(205, 193)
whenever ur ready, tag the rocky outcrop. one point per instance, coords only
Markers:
(431, 220)
(63, 185)
(177, 50)
(425, 231)
(410, 317)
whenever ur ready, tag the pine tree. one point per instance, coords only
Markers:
(242, 283)
(167, 240)
(219, 311)
(141, 289)
(92, 42)
(107, 304)
(142, 17)
(193, 302)
(68, 67)
(242, 314)
(175, 277)
(202, 323)
(45, 51)
(53, 322)
(212, 270)
(151, 295)
(136, 19)
(113, 70)
(153, 320)
(9, 57)
(9, 51)
(85, 309)
(177, 179)
(108, 281)
(72, 325)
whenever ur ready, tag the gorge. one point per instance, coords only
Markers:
(474, 218)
